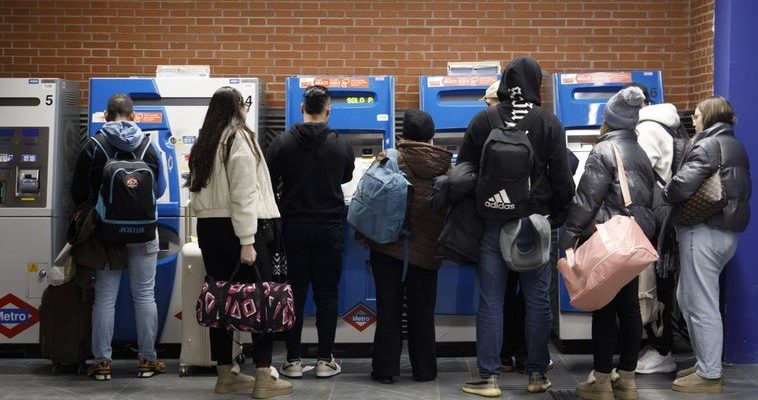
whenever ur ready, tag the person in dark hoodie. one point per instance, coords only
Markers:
(124, 135)
(421, 161)
(519, 95)
(311, 161)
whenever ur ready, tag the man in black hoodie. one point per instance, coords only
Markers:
(519, 95)
(311, 161)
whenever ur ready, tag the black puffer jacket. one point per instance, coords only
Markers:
(713, 147)
(598, 196)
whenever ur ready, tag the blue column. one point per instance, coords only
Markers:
(736, 78)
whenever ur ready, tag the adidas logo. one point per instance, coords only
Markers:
(500, 201)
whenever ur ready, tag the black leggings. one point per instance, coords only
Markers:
(605, 332)
(221, 253)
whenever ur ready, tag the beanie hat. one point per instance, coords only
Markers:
(623, 109)
(646, 92)
(417, 125)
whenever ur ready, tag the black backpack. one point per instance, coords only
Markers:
(126, 201)
(504, 186)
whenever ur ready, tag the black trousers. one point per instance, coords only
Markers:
(221, 253)
(420, 291)
(514, 315)
(314, 257)
(606, 333)
(665, 289)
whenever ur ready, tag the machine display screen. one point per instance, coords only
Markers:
(6, 132)
(30, 132)
(30, 157)
(462, 95)
(353, 97)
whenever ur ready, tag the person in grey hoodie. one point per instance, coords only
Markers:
(124, 135)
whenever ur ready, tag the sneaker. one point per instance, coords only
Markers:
(100, 371)
(538, 383)
(506, 364)
(687, 371)
(326, 369)
(149, 368)
(694, 383)
(550, 365)
(292, 369)
(652, 362)
(487, 387)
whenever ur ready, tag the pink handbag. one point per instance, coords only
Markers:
(612, 257)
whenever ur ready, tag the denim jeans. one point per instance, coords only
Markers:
(492, 276)
(142, 259)
(704, 251)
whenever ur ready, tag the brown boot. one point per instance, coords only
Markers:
(597, 387)
(624, 385)
(267, 386)
(231, 380)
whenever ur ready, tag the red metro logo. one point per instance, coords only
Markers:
(16, 316)
(360, 317)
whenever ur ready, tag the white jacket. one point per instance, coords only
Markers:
(655, 140)
(240, 190)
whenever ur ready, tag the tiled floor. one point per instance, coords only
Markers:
(32, 379)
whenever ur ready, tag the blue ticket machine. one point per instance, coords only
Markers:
(580, 99)
(363, 110)
(452, 101)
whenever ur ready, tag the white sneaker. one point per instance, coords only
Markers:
(328, 369)
(292, 369)
(653, 362)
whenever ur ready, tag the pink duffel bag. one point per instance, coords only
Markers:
(612, 257)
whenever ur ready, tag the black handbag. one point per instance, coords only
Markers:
(709, 199)
(272, 231)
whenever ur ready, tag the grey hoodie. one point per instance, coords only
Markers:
(123, 135)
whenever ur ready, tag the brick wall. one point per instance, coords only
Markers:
(701, 51)
(78, 39)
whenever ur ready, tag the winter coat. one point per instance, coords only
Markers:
(655, 140)
(714, 147)
(598, 196)
(421, 162)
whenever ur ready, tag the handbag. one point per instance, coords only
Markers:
(612, 257)
(272, 230)
(260, 307)
(709, 199)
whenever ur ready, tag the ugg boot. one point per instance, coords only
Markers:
(597, 387)
(230, 380)
(267, 386)
(624, 385)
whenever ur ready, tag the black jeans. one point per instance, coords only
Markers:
(420, 291)
(314, 257)
(221, 253)
(605, 332)
(665, 288)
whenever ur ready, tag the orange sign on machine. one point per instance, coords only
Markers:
(348, 82)
(596, 78)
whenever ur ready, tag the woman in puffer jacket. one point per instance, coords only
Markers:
(706, 247)
(598, 198)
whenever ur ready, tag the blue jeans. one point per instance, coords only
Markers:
(142, 259)
(703, 251)
(492, 276)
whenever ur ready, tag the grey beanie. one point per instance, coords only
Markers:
(623, 109)
(525, 243)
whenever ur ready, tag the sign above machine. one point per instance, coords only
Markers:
(446, 81)
(352, 82)
(596, 78)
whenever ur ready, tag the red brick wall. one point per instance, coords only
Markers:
(701, 51)
(273, 39)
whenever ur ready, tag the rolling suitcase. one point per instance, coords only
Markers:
(196, 347)
(65, 330)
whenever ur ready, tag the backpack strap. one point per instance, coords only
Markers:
(675, 133)
(142, 149)
(494, 117)
(102, 143)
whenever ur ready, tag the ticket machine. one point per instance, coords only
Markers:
(363, 111)
(39, 140)
(580, 99)
(452, 101)
(171, 110)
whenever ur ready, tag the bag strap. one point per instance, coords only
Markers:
(621, 172)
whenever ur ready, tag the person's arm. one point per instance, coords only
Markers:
(242, 176)
(559, 174)
(347, 175)
(696, 168)
(81, 184)
(273, 160)
(469, 150)
(160, 178)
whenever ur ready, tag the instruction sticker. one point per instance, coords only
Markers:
(382, 117)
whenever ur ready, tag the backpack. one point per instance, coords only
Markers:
(380, 204)
(504, 186)
(682, 142)
(126, 201)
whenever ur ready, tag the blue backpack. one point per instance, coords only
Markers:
(380, 203)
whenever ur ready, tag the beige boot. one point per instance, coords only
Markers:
(230, 380)
(597, 387)
(269, 386)
(624, 386)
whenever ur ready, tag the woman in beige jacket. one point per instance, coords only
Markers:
(231, 191)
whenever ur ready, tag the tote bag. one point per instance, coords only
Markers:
(615, 254)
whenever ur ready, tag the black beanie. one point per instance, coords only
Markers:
(418, 125)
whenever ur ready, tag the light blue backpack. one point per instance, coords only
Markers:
(380, 203)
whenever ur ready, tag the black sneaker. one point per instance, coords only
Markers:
(538, 383)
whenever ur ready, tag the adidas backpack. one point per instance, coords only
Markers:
(380, 203)
(503, 188)
(126, 202)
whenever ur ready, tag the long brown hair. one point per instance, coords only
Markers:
(224, 112)
(716, 109)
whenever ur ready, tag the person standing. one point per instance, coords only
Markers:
(118, 137)
(231, 192)
(311, 161)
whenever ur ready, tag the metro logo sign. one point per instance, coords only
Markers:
(16, 316)
(360, 317)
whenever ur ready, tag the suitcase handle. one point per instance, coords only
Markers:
(188, 222)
